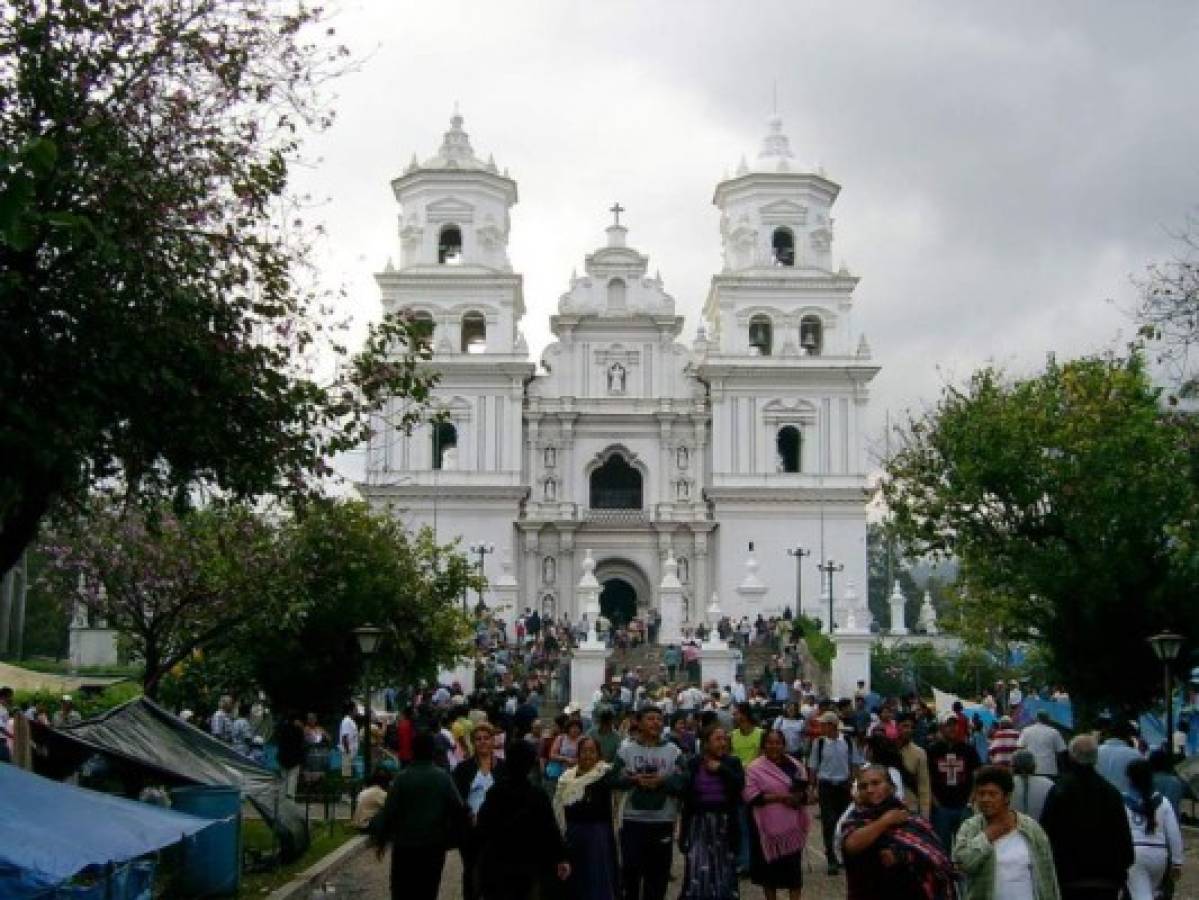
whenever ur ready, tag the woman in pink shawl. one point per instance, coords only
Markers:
(776, 786)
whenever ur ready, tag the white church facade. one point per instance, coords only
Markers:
(722, 452)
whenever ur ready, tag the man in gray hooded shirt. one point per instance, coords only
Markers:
(652, 771)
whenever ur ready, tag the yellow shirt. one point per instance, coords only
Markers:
(746, 746)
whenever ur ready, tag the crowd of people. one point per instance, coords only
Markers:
(594, 803)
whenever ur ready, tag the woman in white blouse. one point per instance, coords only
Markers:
(1156, 837)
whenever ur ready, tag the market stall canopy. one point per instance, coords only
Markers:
(145, 735)
(23, 680)
(50, 831)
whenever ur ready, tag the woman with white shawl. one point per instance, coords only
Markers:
(583, 806)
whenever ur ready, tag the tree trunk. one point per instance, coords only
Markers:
(153, 672)
(20, 524)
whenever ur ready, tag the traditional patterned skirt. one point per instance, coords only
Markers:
(710, 870)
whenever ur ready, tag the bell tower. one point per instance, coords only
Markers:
(787, 374)
(462, 471)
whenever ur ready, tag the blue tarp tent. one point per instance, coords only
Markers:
(51, 831)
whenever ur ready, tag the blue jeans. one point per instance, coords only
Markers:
(946, 822)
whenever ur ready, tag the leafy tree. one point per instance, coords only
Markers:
(1168, 310)
(348, 567)
(172, 584)
(918, 668)
(158, 325)
(1070, 500)
(47, 614)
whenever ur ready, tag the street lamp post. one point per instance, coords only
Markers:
(1165, 647)
(481, 549)
(799, 553)
(368, 637)
(829, 568)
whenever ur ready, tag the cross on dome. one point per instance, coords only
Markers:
(776, 145)
(616, 209)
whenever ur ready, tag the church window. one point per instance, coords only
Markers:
(616, 293)
(811, 335)
(445, 445)
(474, 333)
(761, 334)
(423, 336)
(783, 244)
(789, 447)
(616, 485)
(449, 246)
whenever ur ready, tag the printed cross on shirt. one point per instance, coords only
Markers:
(951, 767)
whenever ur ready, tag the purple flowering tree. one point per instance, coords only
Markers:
(172, 585)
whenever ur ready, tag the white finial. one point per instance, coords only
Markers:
(588, 564)
(898, 603)
(413, 165)
(742, 167)
(928, 615)
(390, 267)
(863, 348)
(775, 145)
(714, 617)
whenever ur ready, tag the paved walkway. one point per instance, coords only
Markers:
(366, 877)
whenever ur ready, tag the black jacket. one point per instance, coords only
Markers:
(289, 738)
(466, 771)
(518, 841)
(732, 775)
(1087, 828)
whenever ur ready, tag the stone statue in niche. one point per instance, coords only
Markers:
(551, 489)
(551, 457)
(547, 606)
(683, 490)
(681, 456)
(616, 379)
(684, 569)
(549, 570)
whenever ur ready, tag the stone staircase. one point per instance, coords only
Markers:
(649, 657)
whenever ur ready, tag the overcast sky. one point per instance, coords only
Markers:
(1006, 169)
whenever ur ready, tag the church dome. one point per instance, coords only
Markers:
(455, 152)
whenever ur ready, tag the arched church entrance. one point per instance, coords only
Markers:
(625, 592)
(618, 601)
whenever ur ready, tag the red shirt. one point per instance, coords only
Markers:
(404, 734)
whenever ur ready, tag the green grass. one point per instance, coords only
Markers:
(256, 835)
